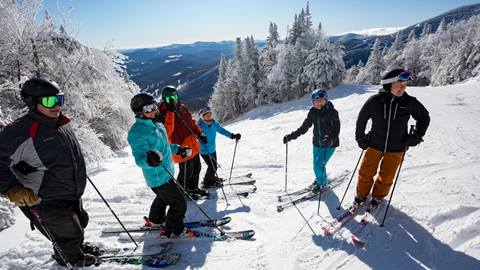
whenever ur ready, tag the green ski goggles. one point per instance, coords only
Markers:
(171, 98)
(51, 101)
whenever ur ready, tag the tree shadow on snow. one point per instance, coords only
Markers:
(401, 244)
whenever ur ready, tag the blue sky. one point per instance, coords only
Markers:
(153, 23)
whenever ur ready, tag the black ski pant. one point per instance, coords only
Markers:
(65, 220)
(169, 194)
(211, 175)
(189, 173)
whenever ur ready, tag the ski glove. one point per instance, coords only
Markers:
(326, 142)
(154, 158)
(236, 136)
(184, 151)
(287, 138)
(203, 139)
(21, 195)
(413, 140)
(363, 142)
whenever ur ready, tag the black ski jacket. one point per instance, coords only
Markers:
(325, 121)
(390, 115)
(43, 154)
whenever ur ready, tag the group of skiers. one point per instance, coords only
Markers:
(384, 145)
(164, 134)
(42, 168)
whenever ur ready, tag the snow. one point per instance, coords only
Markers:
(433, 221)
(177, 74)
(381, 31)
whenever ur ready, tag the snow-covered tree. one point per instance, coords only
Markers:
(392, 58)
(96, 92)
(324, 67)
(371, 73)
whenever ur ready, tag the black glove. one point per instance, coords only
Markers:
(413, 140)
(184, 151)
(154, 158)
(363, 142)
(203, 139)
(236, 136)
(326, 142)
(287, 138)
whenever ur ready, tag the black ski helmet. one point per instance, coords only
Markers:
(140, 100)
(35, 88)
(169, 91)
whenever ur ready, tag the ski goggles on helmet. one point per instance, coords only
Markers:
(51, 101)
(150, 108)
(402, 77)
(319, 94)
(171, 98)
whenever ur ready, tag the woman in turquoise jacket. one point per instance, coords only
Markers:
(208, 150)
(153, 153)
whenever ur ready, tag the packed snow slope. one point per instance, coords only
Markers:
(433, 221)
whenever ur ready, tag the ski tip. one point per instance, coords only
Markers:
(357, 242)
(327, 232)
(279, 198)
(279, 208)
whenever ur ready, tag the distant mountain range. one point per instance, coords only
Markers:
(195, 66)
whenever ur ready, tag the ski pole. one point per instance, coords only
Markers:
(189, 196)
(50, 237)
(286, 165)
(412, 130)
(233, 160)
(323, 172)
(106, 203)
(216, 174)
(301, 214)
(349, 182)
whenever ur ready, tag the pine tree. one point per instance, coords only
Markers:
(371, 73)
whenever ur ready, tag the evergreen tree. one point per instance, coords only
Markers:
(371, 73)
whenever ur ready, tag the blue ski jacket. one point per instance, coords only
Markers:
(145, 135)
(210, 131)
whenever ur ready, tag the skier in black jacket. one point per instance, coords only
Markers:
(42, 167)
(385, 143)
(326, 128)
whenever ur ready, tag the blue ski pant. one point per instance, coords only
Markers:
(321, 155)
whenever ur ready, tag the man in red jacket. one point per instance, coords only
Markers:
(183, 130)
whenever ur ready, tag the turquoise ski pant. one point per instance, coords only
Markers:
(321, 155)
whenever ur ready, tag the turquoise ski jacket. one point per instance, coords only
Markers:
(210, 131)
(146, 135)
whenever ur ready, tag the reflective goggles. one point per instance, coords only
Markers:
(51, 101)
(171, 98)
(318, 95)
(150, 108)
(402, 77)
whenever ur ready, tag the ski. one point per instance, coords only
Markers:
(244, 183)
(280, 198)
(127, 252)
(366, 219)
(215, 236)
(189, 225)
(247, 175)
(339, 220)
(296, 201)
(160, 260)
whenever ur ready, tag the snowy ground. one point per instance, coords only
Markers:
(433, 222)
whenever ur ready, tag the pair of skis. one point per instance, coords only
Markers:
(160, 259)
(190, 231)
(357, 236)
(302, 195)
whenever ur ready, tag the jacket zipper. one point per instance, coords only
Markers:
(388, 124)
